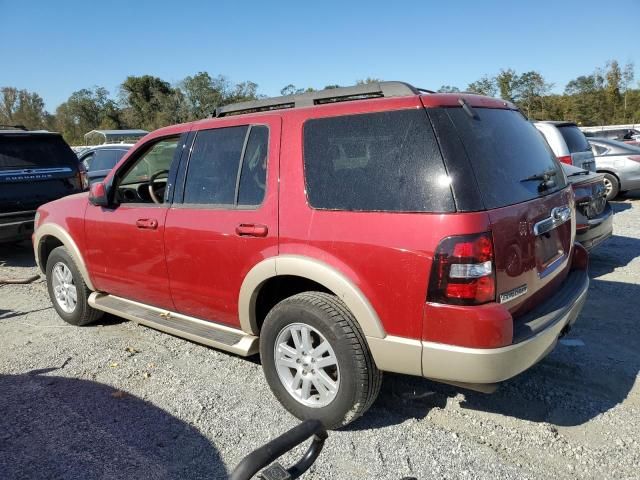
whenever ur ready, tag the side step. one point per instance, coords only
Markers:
(200, 331)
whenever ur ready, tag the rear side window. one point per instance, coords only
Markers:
(504, 150)
(387, 161)
(253, 176)
(576, 141)
(35, 151)
(213, 166)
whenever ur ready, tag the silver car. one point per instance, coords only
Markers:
(568, 143)
(620, 164)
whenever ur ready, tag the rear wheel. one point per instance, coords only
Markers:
(69, 294)
(316, 360)
(611, 186)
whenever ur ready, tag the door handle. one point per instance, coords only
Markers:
(148, 223)
(252, 230)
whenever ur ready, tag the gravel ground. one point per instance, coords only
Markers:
(116, 400)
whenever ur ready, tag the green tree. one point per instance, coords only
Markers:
(21, 107)
(529, 91)
(203, 94)
(86, 110)
(507, 82)
(367, 80)
(484, 86)
(448, 89)
(149, 102)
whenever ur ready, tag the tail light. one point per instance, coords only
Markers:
(82, 178)
(635, 158)
(566, 159)
(463, 271)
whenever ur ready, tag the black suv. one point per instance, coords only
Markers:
(36, 167)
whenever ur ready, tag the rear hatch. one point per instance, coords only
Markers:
(498, 162)
(579, 148)
(35, 168)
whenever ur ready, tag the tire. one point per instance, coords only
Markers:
(61, 265)
(613, 186)
(325, 317)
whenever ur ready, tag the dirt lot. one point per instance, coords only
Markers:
(116, 400)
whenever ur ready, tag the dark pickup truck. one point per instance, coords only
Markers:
(36, 167)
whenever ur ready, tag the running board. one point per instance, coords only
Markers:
(200, 331)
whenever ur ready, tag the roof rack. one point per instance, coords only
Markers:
(14, 127)
(331, 95)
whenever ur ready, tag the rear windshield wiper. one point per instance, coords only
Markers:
(545, 179)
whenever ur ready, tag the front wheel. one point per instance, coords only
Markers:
(69, 294)
(316, 360)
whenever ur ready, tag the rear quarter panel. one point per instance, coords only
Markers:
(387, 256)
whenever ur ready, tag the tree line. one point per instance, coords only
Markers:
(605, 96)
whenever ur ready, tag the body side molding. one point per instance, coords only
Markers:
(311, 269)
(56, 231)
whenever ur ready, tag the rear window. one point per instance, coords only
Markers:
(576, 141)
(386, 161)
(504, 149)
(35, 151)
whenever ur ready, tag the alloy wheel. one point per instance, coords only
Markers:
(307, 365)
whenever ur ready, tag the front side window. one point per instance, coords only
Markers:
(228, 167)
(213, 166)
(146, 179)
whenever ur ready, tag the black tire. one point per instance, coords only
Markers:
(360, 379)
(82, 314)
(615, 186)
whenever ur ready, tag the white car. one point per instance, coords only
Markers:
(568, 143)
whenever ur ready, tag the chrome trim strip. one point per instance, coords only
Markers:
(34, 171)
(559, 215)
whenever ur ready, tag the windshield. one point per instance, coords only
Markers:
(576, 141)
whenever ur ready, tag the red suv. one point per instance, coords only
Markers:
(339, 234)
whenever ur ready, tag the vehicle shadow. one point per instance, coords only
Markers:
(7, 314)
(55, 427)
(620, 252)
(578, 381)
(17, 255)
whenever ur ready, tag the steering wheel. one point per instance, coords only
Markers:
(152, 180)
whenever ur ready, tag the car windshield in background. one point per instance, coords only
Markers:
(106, 159)
(386, 161)
(35, 151)
(576, 141)
(507, 155)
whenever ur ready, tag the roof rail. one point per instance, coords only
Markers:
(14, 127)
(331, 95)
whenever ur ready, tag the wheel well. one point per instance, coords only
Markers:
(610, 173)
(47, 244)
(278, 288)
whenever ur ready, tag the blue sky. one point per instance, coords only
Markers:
(57, 47)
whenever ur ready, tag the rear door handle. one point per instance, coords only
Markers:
(148, 223)
(252, 230)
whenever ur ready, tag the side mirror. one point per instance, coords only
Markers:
(98, 195)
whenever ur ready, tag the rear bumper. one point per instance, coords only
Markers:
(462, 365)
(599, 229)
(16, 226)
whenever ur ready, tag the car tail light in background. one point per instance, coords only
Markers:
(83, 179)
(635, 158)
(463, 272)
(566, 159)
